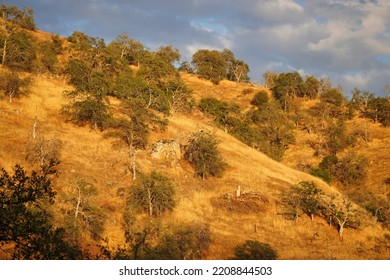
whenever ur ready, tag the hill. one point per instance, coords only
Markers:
(88, 155)
(110, 127)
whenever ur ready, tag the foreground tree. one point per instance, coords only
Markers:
(261, 98)
(24, 222)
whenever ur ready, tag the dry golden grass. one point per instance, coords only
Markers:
(87, 155)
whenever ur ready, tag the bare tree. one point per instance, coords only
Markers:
(82, 213)
(43, 152)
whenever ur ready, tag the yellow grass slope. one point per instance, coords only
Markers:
(87, 155)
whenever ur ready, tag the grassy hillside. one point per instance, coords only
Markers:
(87, 155)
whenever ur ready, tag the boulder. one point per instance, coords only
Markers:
(169, 150)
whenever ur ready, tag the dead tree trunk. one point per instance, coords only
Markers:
(4, 51)
(34, 135)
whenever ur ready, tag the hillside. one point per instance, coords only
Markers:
(116, 151)
(88, 155)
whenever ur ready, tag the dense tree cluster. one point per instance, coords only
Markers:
(266, 127)
(306, 197)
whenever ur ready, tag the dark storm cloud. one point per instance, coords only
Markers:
(347, 40)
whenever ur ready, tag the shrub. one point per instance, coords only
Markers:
(90, 111)
(202, 152)
(321, 173)
(260, 98)
(254, 250)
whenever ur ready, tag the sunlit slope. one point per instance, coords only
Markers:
(88, 155)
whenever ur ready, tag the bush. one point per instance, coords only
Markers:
(202, 152)
(254, 250)
(260, 98)
(90, 111)
(321, 173)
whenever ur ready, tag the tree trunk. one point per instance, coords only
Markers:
(296, 219)
(76, 213)
(133, 155)
(10, 96)
(341, 230)
(150, 201)
(123, 52)
(42, 153)
(35, 127)
(4, 51)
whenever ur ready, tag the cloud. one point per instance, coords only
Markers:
(273, 11)
(371, 80)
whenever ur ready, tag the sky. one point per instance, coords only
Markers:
(345, 40)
